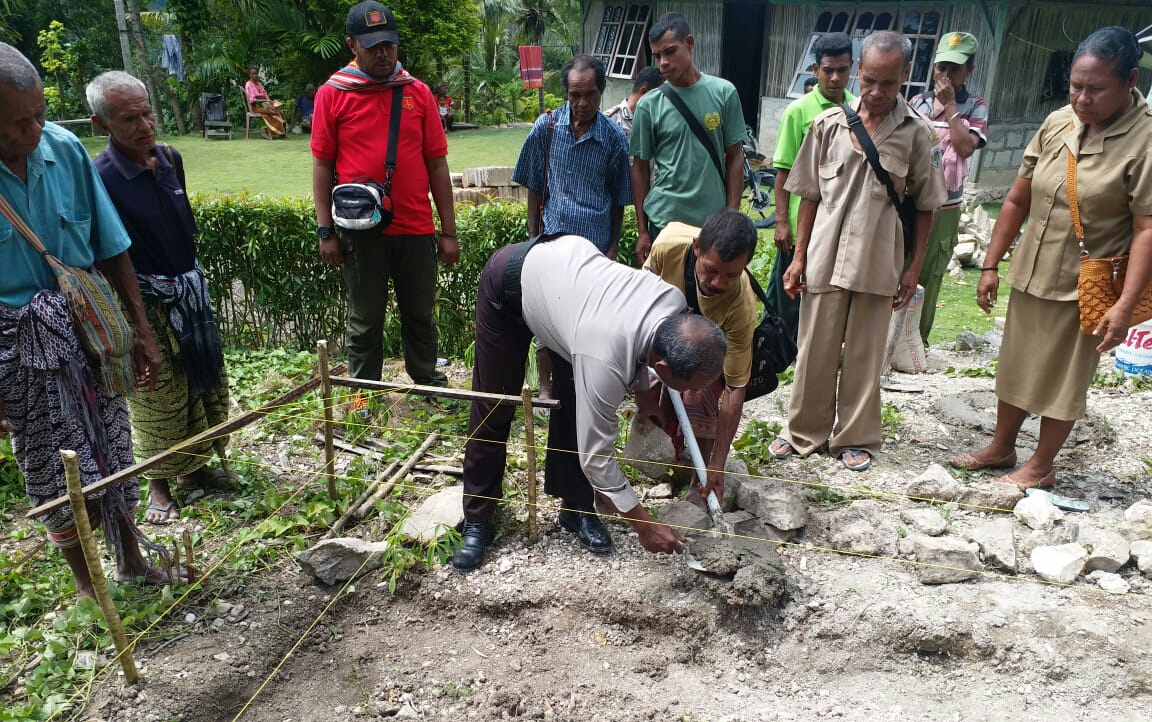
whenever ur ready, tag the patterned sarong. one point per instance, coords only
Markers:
(54, 401)
(191, 393)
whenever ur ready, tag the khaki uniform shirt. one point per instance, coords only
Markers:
(1113, 184)
(857, 243)
(600, 316)
(734, 310)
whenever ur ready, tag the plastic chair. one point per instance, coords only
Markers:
(248, 115)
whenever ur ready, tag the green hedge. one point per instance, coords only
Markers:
(270, 287)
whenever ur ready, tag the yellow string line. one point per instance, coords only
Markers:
(196, 585)
(316, 621)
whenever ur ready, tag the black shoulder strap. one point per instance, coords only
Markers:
(177, 164)
(759, 292)
(690, 280)
(393, 137)
(695, 127)
(870, 151)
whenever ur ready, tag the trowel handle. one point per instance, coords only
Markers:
(693, 447)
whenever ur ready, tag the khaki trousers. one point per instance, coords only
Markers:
(836, 392)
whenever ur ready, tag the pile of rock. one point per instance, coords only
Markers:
(480, 185)
(973, 238)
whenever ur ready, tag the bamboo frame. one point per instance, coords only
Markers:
(95, 569)
(530, 444)
(184, 446)
(440, 391)
(326, 392)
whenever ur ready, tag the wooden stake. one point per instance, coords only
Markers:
(187, 538)
(95, 570)
(354, 506)
(326, 392)
(441, 392)
(383, 491)
(530, 443)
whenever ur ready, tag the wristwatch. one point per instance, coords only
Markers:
(323, 232)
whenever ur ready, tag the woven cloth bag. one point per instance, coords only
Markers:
(1101, 280)
(100, 324)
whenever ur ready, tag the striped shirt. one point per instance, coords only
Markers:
(587, 176)
(973, 112)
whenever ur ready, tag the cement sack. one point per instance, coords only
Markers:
(908, 354)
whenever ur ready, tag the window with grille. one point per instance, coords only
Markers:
(921, 26)
(620, 43)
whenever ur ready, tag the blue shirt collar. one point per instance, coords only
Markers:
(599, 130)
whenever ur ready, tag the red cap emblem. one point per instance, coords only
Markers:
(374, 17)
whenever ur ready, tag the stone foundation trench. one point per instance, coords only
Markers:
(911, 594)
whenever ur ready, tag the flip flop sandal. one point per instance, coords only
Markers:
(856, 453)
(166, 510)
(785, 449)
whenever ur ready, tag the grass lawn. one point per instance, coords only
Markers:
(284, 167)
(957, 310)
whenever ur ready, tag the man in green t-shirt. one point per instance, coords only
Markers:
(687, 185)
(832, 66)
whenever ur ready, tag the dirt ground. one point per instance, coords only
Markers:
(548, 631)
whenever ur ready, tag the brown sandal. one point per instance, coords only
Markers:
(1046, 483)
(971, 462)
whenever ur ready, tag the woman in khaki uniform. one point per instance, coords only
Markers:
(1046, 363)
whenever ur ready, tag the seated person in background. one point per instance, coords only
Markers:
(809, 85)
(259, 102)
(446, 104)
(304, 105)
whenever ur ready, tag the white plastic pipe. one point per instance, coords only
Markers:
(694, 451)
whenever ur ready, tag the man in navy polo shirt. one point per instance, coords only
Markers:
(146, 184)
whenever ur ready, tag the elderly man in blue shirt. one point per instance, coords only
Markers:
(576, 168)
(146, 184)
(51, 397)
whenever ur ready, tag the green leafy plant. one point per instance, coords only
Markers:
(752, 446)
(891, 418)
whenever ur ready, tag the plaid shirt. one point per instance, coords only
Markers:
(587, 176)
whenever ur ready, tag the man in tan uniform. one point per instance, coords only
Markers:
(849, 260)
(720, 251)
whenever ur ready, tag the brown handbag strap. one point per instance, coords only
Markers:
(25, 230)
(1074, 201)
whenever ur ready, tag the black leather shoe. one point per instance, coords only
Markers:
(476, 538)
(588, 530)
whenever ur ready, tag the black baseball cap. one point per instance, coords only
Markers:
(371, 23)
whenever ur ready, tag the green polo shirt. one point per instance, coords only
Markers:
(794, 125)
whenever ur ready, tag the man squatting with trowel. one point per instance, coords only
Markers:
(712, 259)
(604, 324)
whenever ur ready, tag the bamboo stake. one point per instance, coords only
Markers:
(442, 392)
(187, 538)
(351, 511)
(383, 491)
(95, 570)
(530, 442)
(326, 392)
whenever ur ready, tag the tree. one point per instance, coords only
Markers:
(431, 30)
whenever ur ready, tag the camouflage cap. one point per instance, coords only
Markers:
(956, 48)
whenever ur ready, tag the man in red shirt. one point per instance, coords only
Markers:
(350, 129)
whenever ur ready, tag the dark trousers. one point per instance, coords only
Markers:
(788, 309)
(502, 342)
(370, 260)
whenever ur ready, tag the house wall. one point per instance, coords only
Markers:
(705, 19)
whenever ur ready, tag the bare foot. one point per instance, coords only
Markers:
(205, 478)
(152, 576)
(986, 458)
(1026, 478)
